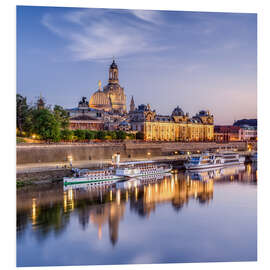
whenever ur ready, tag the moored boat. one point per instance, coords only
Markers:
(118, 172)
(207, 160)
(141, 169)
(93, 177)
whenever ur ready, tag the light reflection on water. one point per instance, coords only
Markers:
(141, 221)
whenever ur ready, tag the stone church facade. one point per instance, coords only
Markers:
(112, 98)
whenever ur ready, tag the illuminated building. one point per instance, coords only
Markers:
(175, 127)
(226, 133)
(83, 117)
(113, 97)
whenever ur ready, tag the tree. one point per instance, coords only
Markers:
(66, 134)
(89, 135)
(112, 134)
(61, 116)
(45, 124)
(131, 136)
(80, 134)
(101, 135)
(121, 135)
(22, 112)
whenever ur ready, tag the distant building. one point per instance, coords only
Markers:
(248, 133)
(83, 117)
(176, 127)
(235, 133)
(247, 122)
(226, 133)
(132, 105)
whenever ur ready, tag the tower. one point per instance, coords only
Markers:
(113, 73)
(132, 105)
(114, 91)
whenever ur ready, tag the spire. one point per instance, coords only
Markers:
(132, 105)
(40, 102)
(99, 85)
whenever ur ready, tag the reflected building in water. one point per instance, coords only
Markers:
(102, 206)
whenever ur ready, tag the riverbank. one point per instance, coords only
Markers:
(29, 174)
(98, 152)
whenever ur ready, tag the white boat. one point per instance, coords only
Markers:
(142, 168)
(207, 160)
(93, 177)
(119, 171)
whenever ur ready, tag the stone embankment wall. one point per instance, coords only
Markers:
(43, 153)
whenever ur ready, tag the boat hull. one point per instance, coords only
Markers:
(87, 180)
(199, 167)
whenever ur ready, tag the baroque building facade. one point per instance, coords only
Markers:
(175, 127)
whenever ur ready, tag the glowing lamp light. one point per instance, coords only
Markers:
(34, 136)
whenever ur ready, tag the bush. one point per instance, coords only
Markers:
(20, 140)
(121, 135)
(66, 134)
(131, 136)
(89, 134)
(101, 135)
(112, 135)
(80, 134)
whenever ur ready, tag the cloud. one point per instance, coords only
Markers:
(151, 16)
(98, 34)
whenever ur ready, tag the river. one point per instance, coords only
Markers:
(184, 217)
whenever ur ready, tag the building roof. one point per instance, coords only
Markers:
(226, 129)
(99, 100)
(178, 112)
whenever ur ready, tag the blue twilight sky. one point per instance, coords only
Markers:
(165, 58)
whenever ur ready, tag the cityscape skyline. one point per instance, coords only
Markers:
(205, 60)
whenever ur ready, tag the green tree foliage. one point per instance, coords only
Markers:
(61, 116)
(101, 135)
(22, 112)
(45, 125)
(66, 134)
(112, 135)
(89, 134)
(121, 135)
(131, 136)
(80, 134)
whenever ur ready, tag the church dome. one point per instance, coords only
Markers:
(177, 112)
(100, 101)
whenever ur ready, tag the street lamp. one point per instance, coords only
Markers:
(70, 160)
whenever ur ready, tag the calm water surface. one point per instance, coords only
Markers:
(200, 217)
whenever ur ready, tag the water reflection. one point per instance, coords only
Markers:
(49, 209)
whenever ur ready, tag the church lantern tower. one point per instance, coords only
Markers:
(114, 91)
(113, 73)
